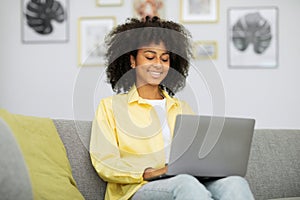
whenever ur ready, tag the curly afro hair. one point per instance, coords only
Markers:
(125, 40)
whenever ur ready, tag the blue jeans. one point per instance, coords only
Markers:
(188, 187)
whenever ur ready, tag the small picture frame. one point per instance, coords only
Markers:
(142, 8)
(45, 23)
(205, 50)
(91, 35)
(109, 2)
(253, 37)
(199, 11)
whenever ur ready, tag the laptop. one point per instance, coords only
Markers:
(210, 147)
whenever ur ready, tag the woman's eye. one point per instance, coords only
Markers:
(165, 58)
(149, 57)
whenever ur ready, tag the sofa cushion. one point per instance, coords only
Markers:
(44, 155)
(291, 198)
(274, 164)
(14, 178)
(76, 138)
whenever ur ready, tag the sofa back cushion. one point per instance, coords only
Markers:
(76, 138)
(45, 157)
(274, 164)
(14, 177)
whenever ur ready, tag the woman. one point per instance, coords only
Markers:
(131, 133)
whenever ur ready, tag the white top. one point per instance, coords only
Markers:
(160, 108)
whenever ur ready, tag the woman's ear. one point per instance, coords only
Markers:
(132, 61)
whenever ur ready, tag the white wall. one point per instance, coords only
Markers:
(45, 80)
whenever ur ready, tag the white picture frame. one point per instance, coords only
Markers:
(253, 37)
(42, 24)
(91, 34)
(199, 11)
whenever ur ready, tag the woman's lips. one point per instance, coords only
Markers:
(155, 74)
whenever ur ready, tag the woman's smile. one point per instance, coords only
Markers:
(155, 74)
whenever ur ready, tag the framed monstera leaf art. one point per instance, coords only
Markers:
(44, 21)
(253, 37)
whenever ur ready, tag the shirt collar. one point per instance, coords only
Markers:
(133, 96)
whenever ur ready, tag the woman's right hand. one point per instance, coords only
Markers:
(151, 172)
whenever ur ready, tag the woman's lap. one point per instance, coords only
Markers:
(172, 188)
(188, 187)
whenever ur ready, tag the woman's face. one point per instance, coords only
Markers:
(152, 64)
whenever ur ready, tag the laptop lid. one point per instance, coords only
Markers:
(210, 146)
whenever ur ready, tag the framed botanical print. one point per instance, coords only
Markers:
(253, 37)
(44, 22)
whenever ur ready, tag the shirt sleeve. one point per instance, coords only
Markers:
(104, 151)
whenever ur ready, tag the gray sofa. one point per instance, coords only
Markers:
(273, 169)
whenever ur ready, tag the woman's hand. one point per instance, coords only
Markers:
(151, 172)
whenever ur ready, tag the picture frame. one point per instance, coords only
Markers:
(109, 2)
(253, 37)
(91, 34)
(199, 11)
(205, 50)
(142, 8)
(45, 23)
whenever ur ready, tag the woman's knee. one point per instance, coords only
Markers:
(235, 181)
(187, 179)
(232, 187)
(189, 185)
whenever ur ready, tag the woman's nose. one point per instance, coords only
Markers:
(158, 62)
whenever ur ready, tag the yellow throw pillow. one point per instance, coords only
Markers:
(45, 156)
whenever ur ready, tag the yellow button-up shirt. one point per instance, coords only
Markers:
(127, 138)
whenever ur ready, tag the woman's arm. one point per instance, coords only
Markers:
(104, 151)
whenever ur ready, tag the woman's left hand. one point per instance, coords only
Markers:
(151, 172)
